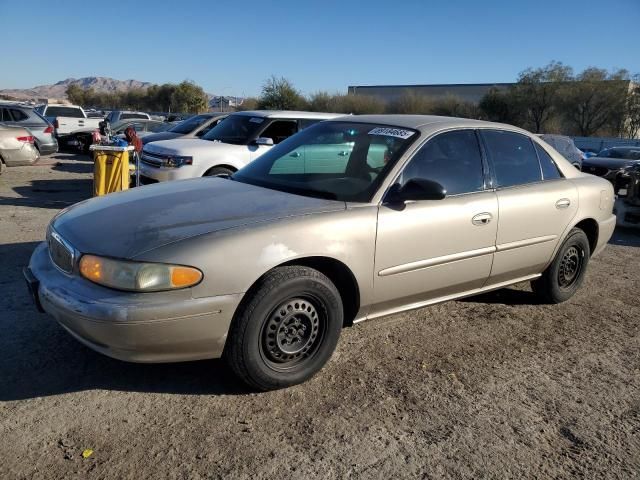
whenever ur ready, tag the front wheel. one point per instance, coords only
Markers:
(286, 330)
(218, 172)
(565, 275)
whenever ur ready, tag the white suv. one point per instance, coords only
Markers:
(237, 140)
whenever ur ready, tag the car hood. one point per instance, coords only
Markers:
(190, 146)
(157, 137)
(610, 163)
(126, 224)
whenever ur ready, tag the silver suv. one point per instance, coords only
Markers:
(19, 115)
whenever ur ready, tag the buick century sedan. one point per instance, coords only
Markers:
(348, 220)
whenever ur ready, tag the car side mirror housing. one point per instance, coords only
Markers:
(266, 141)
(416, 189)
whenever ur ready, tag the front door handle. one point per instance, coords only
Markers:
(343, 153)
(481, 219)
(295, 154)
(563, 203)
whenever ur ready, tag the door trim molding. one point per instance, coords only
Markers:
(432, 262)
(525, 243)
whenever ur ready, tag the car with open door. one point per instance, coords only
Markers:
(348, 220)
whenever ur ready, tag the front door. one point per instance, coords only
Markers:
(428, 250)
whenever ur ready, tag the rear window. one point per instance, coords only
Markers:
(125, 116)
(514, 158)
(72, 112)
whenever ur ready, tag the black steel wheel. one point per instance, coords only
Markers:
(286, 328)
(565, 275)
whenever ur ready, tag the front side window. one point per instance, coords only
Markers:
(514, 159)
(452, 159)
(280, 130)
(336, 160)
(549, 168)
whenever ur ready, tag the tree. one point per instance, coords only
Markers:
(75, 94)
(249, 103)
(411, 103)
(500, 106)
(280, 94)
(595, 101)
(632, 113)
(189, 98)
(537, 93)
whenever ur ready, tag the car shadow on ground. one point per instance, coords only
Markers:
(56, 194)
(40, 359)
(80, 167)
(627, 237)
(505, 296)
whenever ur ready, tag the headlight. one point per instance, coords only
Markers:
(137, 276)
(178, 161)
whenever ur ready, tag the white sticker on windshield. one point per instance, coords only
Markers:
(392, 132)
(256, 120)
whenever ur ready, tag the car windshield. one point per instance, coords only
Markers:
(336, 160)
(190, 124)
(235, 129)
(624, 153)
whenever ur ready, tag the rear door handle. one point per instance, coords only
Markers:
(344, 153)
(481, 219)
(563, 203)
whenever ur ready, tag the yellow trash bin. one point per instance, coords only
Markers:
(110, 169)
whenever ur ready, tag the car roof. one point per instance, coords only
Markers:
(428, 122)
(288, 114)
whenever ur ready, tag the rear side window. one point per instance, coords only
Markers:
(452, 159)
(514, 158)
(18, 115)
(64, 112)
(549, 168)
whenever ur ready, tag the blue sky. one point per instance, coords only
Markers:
(231, 47)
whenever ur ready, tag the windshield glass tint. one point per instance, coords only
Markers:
(235, 129)
(335, 160)
(190, 124)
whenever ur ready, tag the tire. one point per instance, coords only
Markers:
(264, 349)
(217, 171)
(561, 280)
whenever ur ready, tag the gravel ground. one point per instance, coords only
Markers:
(495, 386)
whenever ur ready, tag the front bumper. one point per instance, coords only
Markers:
(135, 327)
(163, 174)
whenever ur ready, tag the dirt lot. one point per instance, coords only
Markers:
(495, 386)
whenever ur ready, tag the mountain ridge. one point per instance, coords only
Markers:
(57, 91)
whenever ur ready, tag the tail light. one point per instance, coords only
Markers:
(26, 139)
(56, 124)
(49, 129)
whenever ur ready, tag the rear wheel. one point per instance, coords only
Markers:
(565, 275)
(218, 171)
(286, 330)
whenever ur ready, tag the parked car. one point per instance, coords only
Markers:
(194, 127)
(66, 119)
(265, 268)
(239, 139)
(628, 206)
(566, 148)
(81, 139)
(610, 164)
(17, 147)
(119, 115)
(25, 116)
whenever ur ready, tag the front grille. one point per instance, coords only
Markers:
(152, 159)
(595, 170)
(61, 252)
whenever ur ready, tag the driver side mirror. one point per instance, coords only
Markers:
(266, 141)
(416, 189)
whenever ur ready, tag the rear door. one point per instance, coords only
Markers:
(536, 204)
(433, 249)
